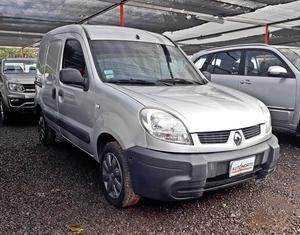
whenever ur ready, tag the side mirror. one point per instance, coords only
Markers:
(277, 71)
(207, 75)
(73, 77)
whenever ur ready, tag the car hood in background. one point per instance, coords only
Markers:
(202, 108)
(27, 78)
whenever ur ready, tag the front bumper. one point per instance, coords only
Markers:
(172, 176)
(21, 102)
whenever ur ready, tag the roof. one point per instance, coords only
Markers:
(259, 45)
(106, 32)
(24, 22)
(237, 46)
(283, 20)
(97, 32)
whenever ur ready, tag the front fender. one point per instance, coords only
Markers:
(127, 134)
(118, 116)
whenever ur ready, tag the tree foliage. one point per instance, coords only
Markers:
(17, 52)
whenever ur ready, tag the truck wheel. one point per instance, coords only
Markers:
(115, 178)
(5, 115)
(46, 134)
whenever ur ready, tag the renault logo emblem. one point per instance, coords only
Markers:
(237, 138)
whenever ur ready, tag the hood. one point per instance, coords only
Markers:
(27, 78)
(202, 108)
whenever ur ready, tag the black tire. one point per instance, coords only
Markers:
(5, 114)
(119, 196)
(46, 134)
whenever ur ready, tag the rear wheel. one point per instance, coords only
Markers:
(46, 134)
(115, 177)
(5, 115)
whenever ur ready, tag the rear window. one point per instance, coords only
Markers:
(227, 62)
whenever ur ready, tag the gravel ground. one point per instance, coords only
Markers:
(49, 190)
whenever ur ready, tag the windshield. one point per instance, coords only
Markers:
(293, 55)
(19, 67)
(143, 63)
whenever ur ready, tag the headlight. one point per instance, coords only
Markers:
(16, 87)
(164, 126)
(267, 115)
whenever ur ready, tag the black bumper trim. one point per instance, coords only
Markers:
(173, 176)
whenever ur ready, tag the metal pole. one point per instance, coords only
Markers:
(22, 52)
(102, 11)
(266, 38)
(122, 14)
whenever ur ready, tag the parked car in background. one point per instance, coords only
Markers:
(133, 101)
(17, 89)
(269, 73)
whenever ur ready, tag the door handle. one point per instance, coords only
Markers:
(61, 93)
(54, 93)
(247, 82)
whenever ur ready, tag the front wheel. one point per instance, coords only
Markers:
(5, 115)
(46, 134)
(115, 177)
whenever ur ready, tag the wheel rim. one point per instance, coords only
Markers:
(112, 175)
(41, 128)
(1, 110)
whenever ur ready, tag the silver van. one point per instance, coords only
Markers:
(269, 73)
(133, 101)
(17, 89)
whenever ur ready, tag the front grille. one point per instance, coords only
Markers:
(251, 132)
(29, 88)
(218, 137)
(221, 137)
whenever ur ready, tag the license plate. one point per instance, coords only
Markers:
(241, 166)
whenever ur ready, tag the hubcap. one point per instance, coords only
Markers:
(112, 175)
(42, 128)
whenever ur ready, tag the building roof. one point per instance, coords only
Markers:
(24, 22)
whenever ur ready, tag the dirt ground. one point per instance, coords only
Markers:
(54, 190)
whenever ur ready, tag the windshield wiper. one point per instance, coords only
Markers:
(175, 81)
(132, 81)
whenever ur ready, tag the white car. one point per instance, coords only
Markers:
(269, 73)
(133, 101)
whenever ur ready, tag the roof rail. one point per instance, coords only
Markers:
(237, 45)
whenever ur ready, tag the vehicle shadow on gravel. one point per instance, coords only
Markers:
(287, 139)
(206, 198)
(72, 161)
(22, 120)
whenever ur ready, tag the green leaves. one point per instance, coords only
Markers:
(7, 52)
